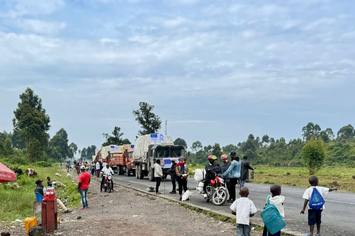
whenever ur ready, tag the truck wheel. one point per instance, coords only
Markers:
(120, 170)
(151, 175)
(137, 172)
(141, 175)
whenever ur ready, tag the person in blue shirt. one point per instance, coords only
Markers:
(233, 174)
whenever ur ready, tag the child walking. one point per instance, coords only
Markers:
(278, 201)
(314, 198)
(244, 208)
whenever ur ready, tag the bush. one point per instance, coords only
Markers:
(313, 154)
(16, 159)
(44, 164)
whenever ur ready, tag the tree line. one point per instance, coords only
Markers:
(30, 139)
(338, 148)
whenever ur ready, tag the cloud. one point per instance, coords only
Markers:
(34, 7)
(41, 27)
(200, 62)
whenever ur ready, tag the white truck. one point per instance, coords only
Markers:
(155, 146)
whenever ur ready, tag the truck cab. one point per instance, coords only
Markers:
(151, 147)
(166, 153)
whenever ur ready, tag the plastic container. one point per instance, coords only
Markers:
(49, 195)
(30, 223)
(199, 175)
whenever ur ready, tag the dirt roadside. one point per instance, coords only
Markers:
(127, 212)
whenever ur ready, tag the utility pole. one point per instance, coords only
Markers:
(166, 128)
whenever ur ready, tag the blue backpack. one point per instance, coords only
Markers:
(271, 217)
(316, 202)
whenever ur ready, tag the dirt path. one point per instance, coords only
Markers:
(127, 212)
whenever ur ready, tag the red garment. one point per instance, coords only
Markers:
(180, 163)
(84, 180)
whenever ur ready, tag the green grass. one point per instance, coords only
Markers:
(341, 177)
(17, 203)
(337, 176)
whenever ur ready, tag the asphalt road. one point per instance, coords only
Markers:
(338, 216)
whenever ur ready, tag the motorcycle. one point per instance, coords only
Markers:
(216, 190)
(107, 183)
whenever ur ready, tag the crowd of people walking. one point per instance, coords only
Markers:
(235, 172)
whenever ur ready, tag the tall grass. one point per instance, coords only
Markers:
(17, 203)
(341, 177)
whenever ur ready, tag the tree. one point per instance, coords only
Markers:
(73, 149)
(58, 146)
(83, 153)
(346, 132)
(265, 139)
(32, 124)
(313, 154)
(249, 147)
(5, 144)
(88, 152)
(115, 138)
(229, 148)
(149, 122)
(327, 135)
(217, 150)
(181, 142)
(310, 131)
(196, 146)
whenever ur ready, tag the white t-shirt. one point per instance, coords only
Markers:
(158, 172)
(97, 166)
(322, 190)
(243, 207)
(278, 201)
(107, 171)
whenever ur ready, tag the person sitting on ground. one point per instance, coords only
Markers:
(106, 171)
(244, 208)
(278, 201)
(182, 173)
(244, 171)
(315, 205)
(158, 174)
(49, 182)
(52, 184)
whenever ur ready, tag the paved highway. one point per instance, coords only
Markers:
(338, 216)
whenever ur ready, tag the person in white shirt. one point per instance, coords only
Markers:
(314, 215)
(278, 201)
(158, 174)
(97, 168)
(244, 208)
(106, 171)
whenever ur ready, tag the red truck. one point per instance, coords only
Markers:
(122, 161)
(119, 158)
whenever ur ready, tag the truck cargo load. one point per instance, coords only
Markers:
(119, 157)
(155, 146)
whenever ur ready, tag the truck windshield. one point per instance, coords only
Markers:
(169, 151)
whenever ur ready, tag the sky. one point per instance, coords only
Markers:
(217, 70)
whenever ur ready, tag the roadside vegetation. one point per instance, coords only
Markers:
(341, 177)
(29, 145)
(16, 199)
